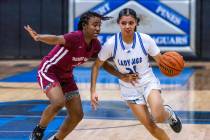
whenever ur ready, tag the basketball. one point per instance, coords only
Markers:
(171, 64)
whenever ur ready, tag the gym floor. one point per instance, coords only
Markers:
(22, 104)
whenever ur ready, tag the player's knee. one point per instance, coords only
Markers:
(80, 116)
(77, 116)
(57, 105)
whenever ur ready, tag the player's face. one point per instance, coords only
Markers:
(127, 25)
(92, 29)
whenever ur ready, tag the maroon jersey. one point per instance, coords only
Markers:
(73, 53)
(63, 58)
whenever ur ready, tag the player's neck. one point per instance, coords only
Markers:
(87, 40)
(127, 38)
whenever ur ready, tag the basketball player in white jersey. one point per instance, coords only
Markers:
(129, 50)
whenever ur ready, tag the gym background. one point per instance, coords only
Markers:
(186, 20)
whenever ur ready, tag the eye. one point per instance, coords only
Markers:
(97, 24)
(123, 23)
(131, 23)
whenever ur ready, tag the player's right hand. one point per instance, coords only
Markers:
(33, 33)
(94, 100)
(130, 78)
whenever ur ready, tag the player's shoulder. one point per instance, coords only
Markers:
(109, 44)
(110, 41)
(145, 37)
(111, 38)
(74, 35)
(96, 43)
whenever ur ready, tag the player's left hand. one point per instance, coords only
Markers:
(33, 33)
(94, 100)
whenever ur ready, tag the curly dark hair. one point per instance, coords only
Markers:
(86, 16)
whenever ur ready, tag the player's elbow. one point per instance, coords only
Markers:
(98, 63)
(59, 40)
(95, 66)
(108, 67)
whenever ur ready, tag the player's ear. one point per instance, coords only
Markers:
(84, 25)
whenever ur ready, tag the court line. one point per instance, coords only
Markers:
(93, 128)
(90, 118)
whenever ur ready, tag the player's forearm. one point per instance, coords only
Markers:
(112, 70)
(157, 58)
(94, 75)
(49, 39)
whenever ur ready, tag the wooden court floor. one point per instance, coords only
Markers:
(194, 98)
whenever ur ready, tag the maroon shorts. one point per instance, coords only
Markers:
(49, 80)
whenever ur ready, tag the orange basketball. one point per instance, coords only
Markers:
(171, 64)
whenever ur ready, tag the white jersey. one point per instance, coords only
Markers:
(131, 58)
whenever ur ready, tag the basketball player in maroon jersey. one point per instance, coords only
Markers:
(55, 73)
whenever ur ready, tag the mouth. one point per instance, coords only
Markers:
(128, 31)
(96, 34)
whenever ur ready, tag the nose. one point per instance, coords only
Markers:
(98, 28)
(127, 25)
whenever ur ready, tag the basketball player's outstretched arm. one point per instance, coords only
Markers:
(48, 39)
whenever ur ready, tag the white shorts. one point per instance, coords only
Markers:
(139, 95)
